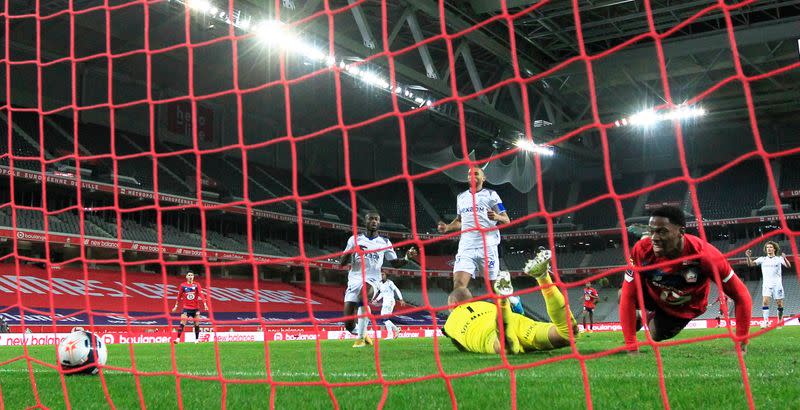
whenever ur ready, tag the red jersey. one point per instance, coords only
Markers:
(190, 295)
(590, 297)
(681, 288)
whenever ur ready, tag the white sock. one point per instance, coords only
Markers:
(765, 314)
(390, 325)
(361, 326)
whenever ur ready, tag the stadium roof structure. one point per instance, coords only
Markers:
(697, 54)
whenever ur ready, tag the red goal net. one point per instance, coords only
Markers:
(145, 139)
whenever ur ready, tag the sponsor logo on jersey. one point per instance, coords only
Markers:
(673, 298)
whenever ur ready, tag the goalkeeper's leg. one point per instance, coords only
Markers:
(556, 303)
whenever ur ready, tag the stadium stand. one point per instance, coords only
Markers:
(599, 214)
(745, 182)
(790, 178)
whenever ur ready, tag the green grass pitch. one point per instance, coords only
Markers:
(698, 375)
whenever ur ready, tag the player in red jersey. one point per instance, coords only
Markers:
(590, 298)
(677, 292)
(190, 295)
(724, 309)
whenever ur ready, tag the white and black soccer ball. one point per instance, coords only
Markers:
(82, 348)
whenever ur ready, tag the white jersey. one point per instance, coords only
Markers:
(485, 199)
(387, 291)
(771, 268)
(374, 259)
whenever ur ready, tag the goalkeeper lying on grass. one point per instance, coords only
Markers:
(472, 326)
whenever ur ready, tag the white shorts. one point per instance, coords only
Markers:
(471, 261)
(387, 309)
(353, 292)
(772, 290)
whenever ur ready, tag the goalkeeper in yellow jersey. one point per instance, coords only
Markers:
(473, 327)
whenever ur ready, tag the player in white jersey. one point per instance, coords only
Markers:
(365, 267)
(387, 291)
(772, 284)
(471, 257)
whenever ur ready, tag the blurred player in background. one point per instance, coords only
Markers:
(590, 299)
(471, 257)
(387, 291)
(772, 278)
(472, 326)
(375, 250)
(724, 308)
(190, 295)
(677, 292)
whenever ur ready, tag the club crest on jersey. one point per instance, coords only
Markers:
(690, 276)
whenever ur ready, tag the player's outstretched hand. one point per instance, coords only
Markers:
(492, 215)
(441, 227)
(402, 303)
(748, 252)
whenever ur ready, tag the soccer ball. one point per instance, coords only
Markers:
(82, 348)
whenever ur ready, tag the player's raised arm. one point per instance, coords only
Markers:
(786, 262)
(399, 263)
(498, 211)
(750, 261)
(443, 227)
(499, 217)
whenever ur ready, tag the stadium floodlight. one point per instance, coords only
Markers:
(372, 78)
(276, 34)
(270, 31)
(529, 146)
(645, 118)
(650, 117)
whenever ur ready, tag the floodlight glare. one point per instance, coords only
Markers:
(270, 31)
(530, 146)
(650, 117)
(200, 5)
